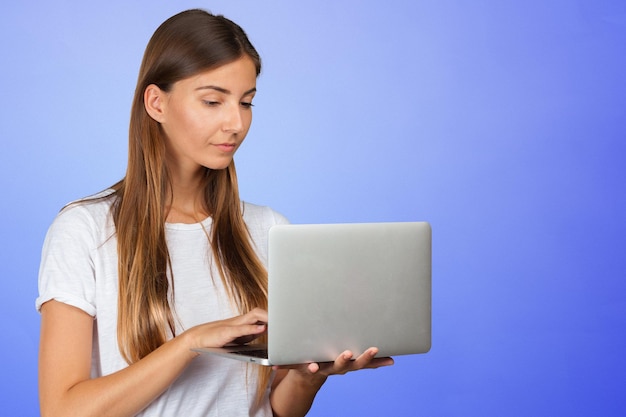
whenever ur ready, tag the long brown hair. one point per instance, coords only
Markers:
(184, 45)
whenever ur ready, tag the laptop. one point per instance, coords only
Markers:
(333, 287)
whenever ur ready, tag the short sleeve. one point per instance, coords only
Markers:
(66, 272)
(259, 220)
(278, 218)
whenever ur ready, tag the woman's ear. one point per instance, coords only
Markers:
(154, 101)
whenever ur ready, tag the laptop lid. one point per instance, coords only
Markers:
(351, 286)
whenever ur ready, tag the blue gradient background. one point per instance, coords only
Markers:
(503, 123)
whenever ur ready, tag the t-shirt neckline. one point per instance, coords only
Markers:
(206, 224)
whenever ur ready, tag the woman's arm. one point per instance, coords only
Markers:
(295, 388)
(292, 393)
(65, 385)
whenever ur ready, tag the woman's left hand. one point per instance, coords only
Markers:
(344, 363)
(295, 386)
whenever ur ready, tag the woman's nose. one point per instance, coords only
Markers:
(233, 122)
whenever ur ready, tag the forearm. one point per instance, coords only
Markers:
(293, 396)
(125, 392)
(65, 355)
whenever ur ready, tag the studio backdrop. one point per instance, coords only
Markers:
(501, 123)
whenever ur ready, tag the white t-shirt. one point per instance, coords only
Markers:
(79, 268)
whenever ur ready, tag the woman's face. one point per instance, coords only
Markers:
(205, 117)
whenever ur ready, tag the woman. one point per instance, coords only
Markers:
(169, 258)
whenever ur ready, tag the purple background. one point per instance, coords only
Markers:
(501, 123)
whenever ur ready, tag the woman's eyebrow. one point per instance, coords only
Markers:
(224, 90)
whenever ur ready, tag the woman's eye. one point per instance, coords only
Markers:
(247, 105)
(210, 102)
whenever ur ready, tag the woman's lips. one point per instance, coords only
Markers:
(226, 147)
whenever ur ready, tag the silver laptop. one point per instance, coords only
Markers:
(333, 287)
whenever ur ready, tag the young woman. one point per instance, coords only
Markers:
(169, 258)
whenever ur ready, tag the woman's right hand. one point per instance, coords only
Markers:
(65, 383)
(235, 330)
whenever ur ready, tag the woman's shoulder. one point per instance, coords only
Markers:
(259, 220)
(94, 211)
(262, 215)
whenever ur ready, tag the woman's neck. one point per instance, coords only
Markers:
(187, 202)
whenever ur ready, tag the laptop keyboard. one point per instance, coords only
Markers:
(257, 353)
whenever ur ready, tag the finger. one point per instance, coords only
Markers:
(255, 329)
(369, 360)
(256, 315)
(344, 359)
(242, 332)
(341, 365)
(365, 358)
(242, 340)
(313, 367)
(380, 362)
